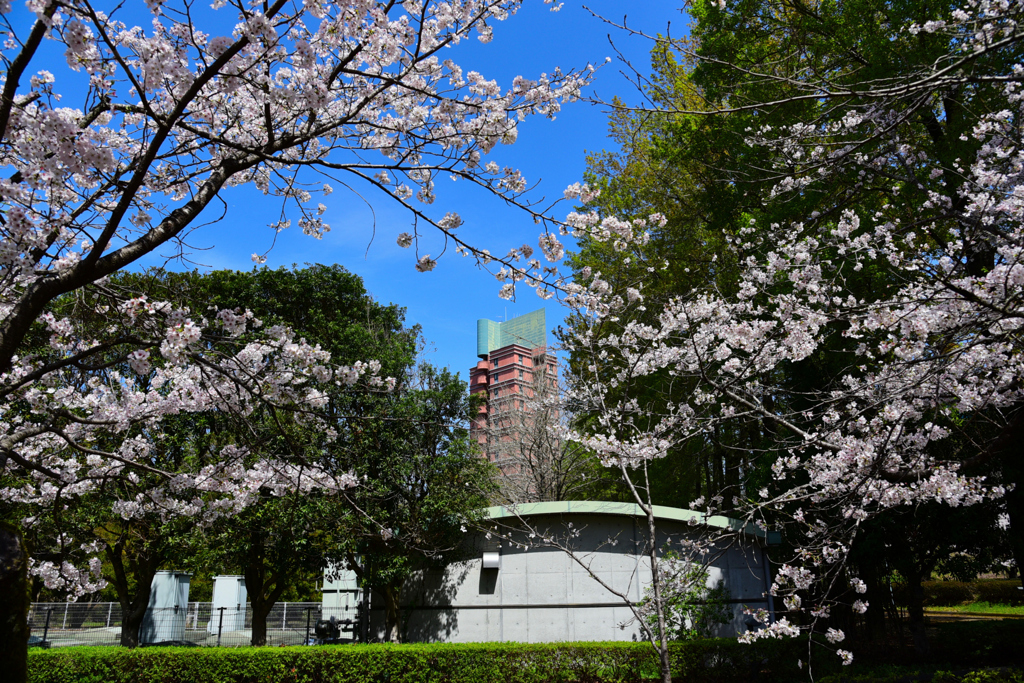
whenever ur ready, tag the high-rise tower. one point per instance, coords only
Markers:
(515, 371)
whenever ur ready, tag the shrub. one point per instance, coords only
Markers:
(708, 661)
(948, 593)
(952, 593)
(1001, 591)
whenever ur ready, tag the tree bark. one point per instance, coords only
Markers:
(14, 604)
(133, 607)
(659, 603)
(132, 616)
(260, 611)
(392, 613)
(874, 618)
(257, 583)
(915, 614)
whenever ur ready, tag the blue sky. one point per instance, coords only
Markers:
(447, 301)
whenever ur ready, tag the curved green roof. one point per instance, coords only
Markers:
(596, 507)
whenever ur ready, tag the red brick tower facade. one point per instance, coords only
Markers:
(514, 368)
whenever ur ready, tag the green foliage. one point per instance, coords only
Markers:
(760, 59)
(421, 483)
(281, 542)
(277, 542)
(986, 676)
(960, 566)
(327, 305)
(1002, 591)
(710, 661)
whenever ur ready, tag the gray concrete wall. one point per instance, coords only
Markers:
(541, 594)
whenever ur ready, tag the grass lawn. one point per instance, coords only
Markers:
(981, 607)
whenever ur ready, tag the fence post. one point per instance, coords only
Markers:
(309, 611)
(64, 624)
(220, 625)
(46, 627)
(110, 608)
(284, 617)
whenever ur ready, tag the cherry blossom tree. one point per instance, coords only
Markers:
(127, 463)
(171, 117)
(13, 577)
(127, 149)
(882, 230)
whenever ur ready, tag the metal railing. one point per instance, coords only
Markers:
(62, 624)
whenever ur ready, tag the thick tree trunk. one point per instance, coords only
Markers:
(874, 618)
(133, 607)
(915, 614)
(132, 615)
(260, 610)
(258, 585)
(14, 604)
(261, 602)
(392, 613)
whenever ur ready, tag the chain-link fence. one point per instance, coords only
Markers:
(60, 624)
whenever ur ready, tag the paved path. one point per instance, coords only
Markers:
(936, 616)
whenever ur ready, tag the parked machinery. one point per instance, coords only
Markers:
(329, 631)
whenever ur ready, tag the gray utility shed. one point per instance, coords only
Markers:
(505, 593)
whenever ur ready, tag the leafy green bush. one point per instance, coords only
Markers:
(1001, 591)
(960, 566)
(952, 593)
(987, 607)
(707, 661)
(948, 593)
(992, 676)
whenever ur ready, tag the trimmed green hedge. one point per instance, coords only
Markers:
(971, 644)
(952, 593)
(713, 661)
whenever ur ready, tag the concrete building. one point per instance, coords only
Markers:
(503, 592)
(514, 367)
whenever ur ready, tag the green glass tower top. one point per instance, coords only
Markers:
(529, 330)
